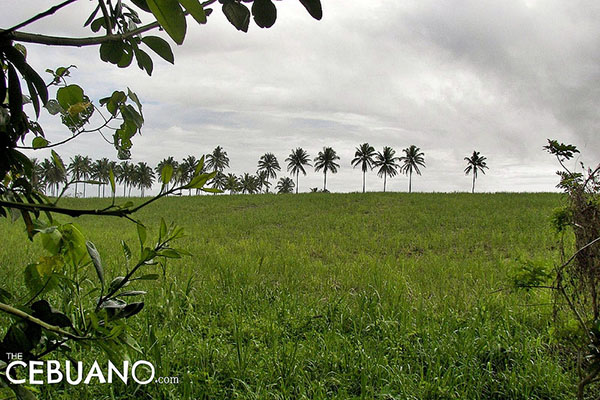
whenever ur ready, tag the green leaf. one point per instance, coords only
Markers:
(160, 47)
(69, 95)
(163, 229)
(313, 7)
(200, 166)
(42, 310)
(194, 8)
(199, 181)
(170, 16)
(144, 61)
(96, 260)
(147, 277)
(97, 24)
(111, 179)
(132, 293)
(238, 15)
(211, 190)
(264, 12)
(166, 173)
(135, 99)
(126, 250)
(142, 4)
(39, 142)
(127, 57)
(114, 284)
(15, 97)
(112, 52)
(142, 234)
(170, 253)
(58, 161)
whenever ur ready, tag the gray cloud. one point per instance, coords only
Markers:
(450, 77)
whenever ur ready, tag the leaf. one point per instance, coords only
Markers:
(160, 47)
(132, 293)
(127, 57)
(42, 310)
(116, 283)
(96, 260)
(144, 61)
(111, 179)
(199, 181)
(170, 16)
(97, 24)
(166, 173)
(194, 8)
(199, 167)
(92, 16)
(69, 95)
(238, 15)
(112, 51)
(126, 250)
(3, 86)
(58, 162)
(170, 253)
(142, 234)
(147, 277)
(264, 12)
(313, 7)
(39, 142)
(15, 96)
(211, 190)
(32, 77)
(135, 99)
(163, 229)
(53, 107)
(142, 4)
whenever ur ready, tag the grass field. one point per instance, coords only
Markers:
(336, 296)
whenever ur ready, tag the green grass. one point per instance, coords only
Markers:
(336, 296)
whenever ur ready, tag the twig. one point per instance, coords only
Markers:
(46, 13)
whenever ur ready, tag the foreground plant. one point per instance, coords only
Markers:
(64, 304)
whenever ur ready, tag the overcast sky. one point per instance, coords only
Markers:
(451, 77)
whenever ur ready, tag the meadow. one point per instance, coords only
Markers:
(377, 295)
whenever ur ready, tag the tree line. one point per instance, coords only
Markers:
(82, 170)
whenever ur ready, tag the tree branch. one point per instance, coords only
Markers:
(21, 314)
(46, 13)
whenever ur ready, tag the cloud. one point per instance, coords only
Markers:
(450, 77)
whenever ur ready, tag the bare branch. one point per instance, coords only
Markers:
(46, 13)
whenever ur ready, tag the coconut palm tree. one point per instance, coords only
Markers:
(160, 170)
(325, 161)
(231, 184)
(248, 184)
(269, 164)
(475, 163)
(217, 160)
(52, 175)
(126, 175)
(285, 185)
(296, 161)
(364, 157)
(412, 159)
(143, 177)
(386, 162)
(218, 182)
(80, 168)
(262, 180)
(37, 176)
(100, 172)
(186, 171)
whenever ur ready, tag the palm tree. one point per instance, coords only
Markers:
(296, 161)
(126, 175)
(475, 163)
(285, 185)
(262, 180)
(80, 168)
(248, 183)
(100, 172)
(217, 160)
(218, 182)
(269, 164)
(37, 176)
(413, 158)
(52, 175)
(143, 177)
(325, 161)
(231, 184)
(160, 170)
(186, 171)
(386, 161)
(364, 157)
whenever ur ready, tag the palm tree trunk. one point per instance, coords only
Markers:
(124, 188)
(325, 180)
(384, 181)
(84, 190)
(75, 189)
(364, 173)
(473, 188)
(98, 190)
(297, 173)
(410, 181)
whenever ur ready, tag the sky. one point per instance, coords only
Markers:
(450, 77)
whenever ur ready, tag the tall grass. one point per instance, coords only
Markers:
(337, 296)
